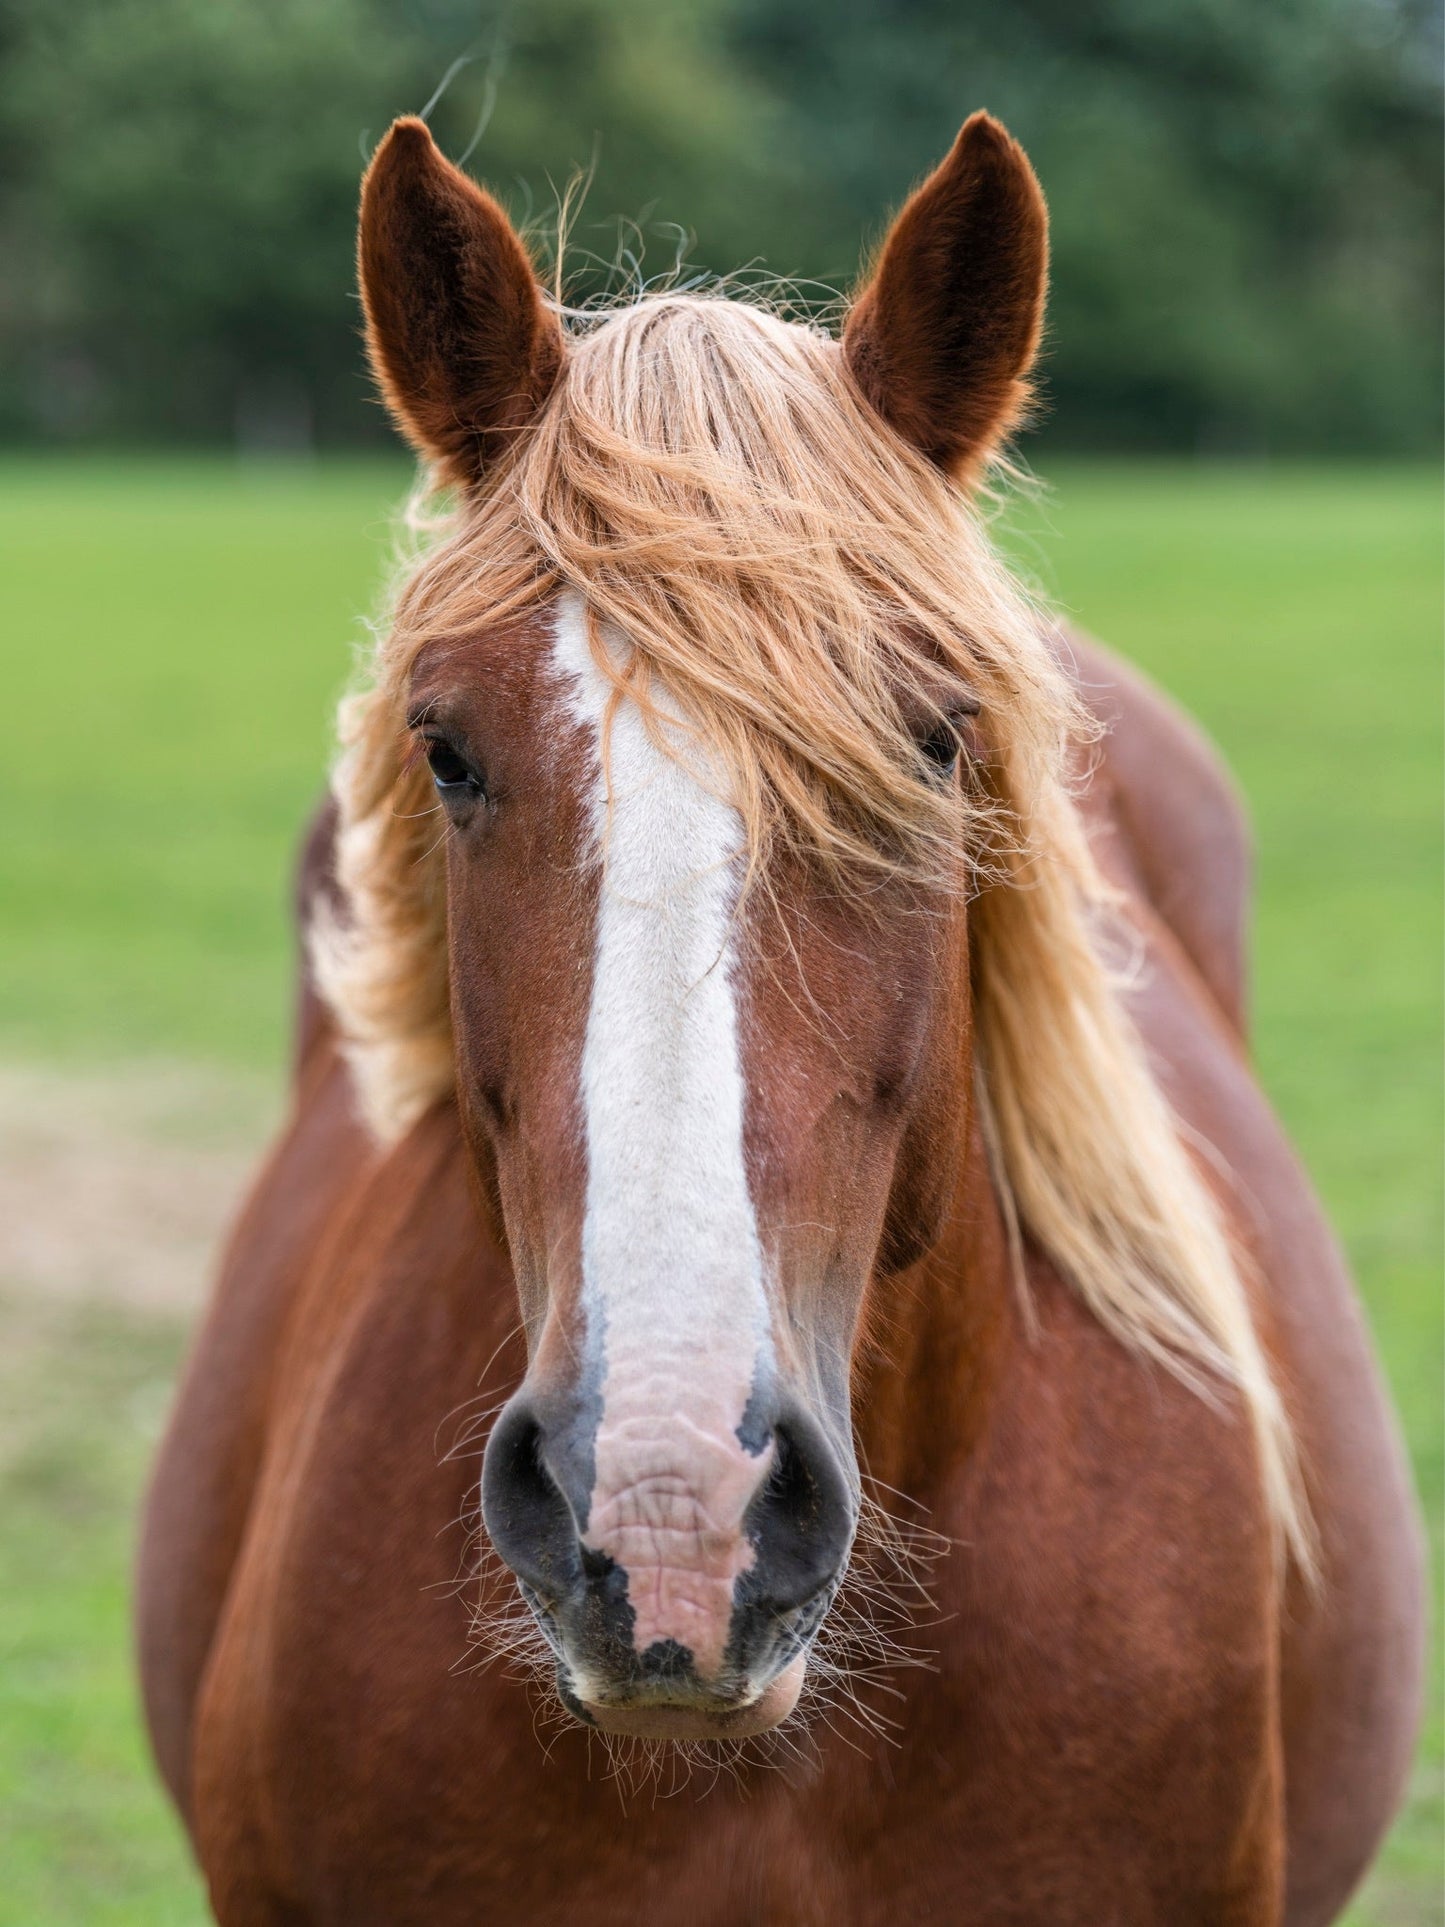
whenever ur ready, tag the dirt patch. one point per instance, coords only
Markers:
(119, 1185)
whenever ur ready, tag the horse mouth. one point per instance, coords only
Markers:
(657, 1716)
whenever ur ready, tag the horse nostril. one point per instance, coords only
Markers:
(802, 1521)
(524, 1509)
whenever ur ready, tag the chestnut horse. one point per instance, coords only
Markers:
(771, 1069)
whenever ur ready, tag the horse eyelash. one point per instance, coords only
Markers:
(415, 749)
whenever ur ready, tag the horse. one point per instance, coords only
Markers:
(781, 1369)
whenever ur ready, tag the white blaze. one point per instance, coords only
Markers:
(672, 1267)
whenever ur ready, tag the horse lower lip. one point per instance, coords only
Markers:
(696, 1719)
(663, 1720)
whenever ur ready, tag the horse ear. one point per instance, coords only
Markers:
(461, 344)
(942, 337)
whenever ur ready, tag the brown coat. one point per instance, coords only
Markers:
(1121, 1725)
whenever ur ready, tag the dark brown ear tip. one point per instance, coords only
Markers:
(981, 127)
(406, 143)
(409, 131)
(984, 142)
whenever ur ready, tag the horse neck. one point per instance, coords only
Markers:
(937, 1338)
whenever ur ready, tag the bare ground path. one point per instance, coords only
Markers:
(118, 1184)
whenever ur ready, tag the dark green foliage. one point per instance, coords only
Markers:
(1246, 197)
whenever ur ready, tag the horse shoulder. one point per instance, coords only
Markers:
(1174, 806)
(1112, 1647)
(201, 1489)
(1350, 1657)
(344, 1588)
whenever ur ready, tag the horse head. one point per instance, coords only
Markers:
(713, 1068)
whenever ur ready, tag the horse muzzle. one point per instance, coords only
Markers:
(681, 1597)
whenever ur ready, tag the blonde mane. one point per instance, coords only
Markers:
(804, 586)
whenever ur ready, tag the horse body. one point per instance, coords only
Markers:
(1116, 1704)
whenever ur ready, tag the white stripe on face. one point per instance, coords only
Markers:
(672, 1269)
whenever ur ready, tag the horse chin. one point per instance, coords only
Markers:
(695, 1720)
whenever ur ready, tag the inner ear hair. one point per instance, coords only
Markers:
(943, 334)
(463, 345)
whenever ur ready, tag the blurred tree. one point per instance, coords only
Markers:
(176, 239)
(176, 228)
(1246, 198)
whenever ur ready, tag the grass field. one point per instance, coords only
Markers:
(174, 636)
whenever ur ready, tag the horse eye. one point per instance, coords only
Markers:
(940, 750)
(453, 778)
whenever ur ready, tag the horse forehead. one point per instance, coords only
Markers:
(505, 665)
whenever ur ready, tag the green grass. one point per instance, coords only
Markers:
(174, 637)
(177, 636)
(85, 1837)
